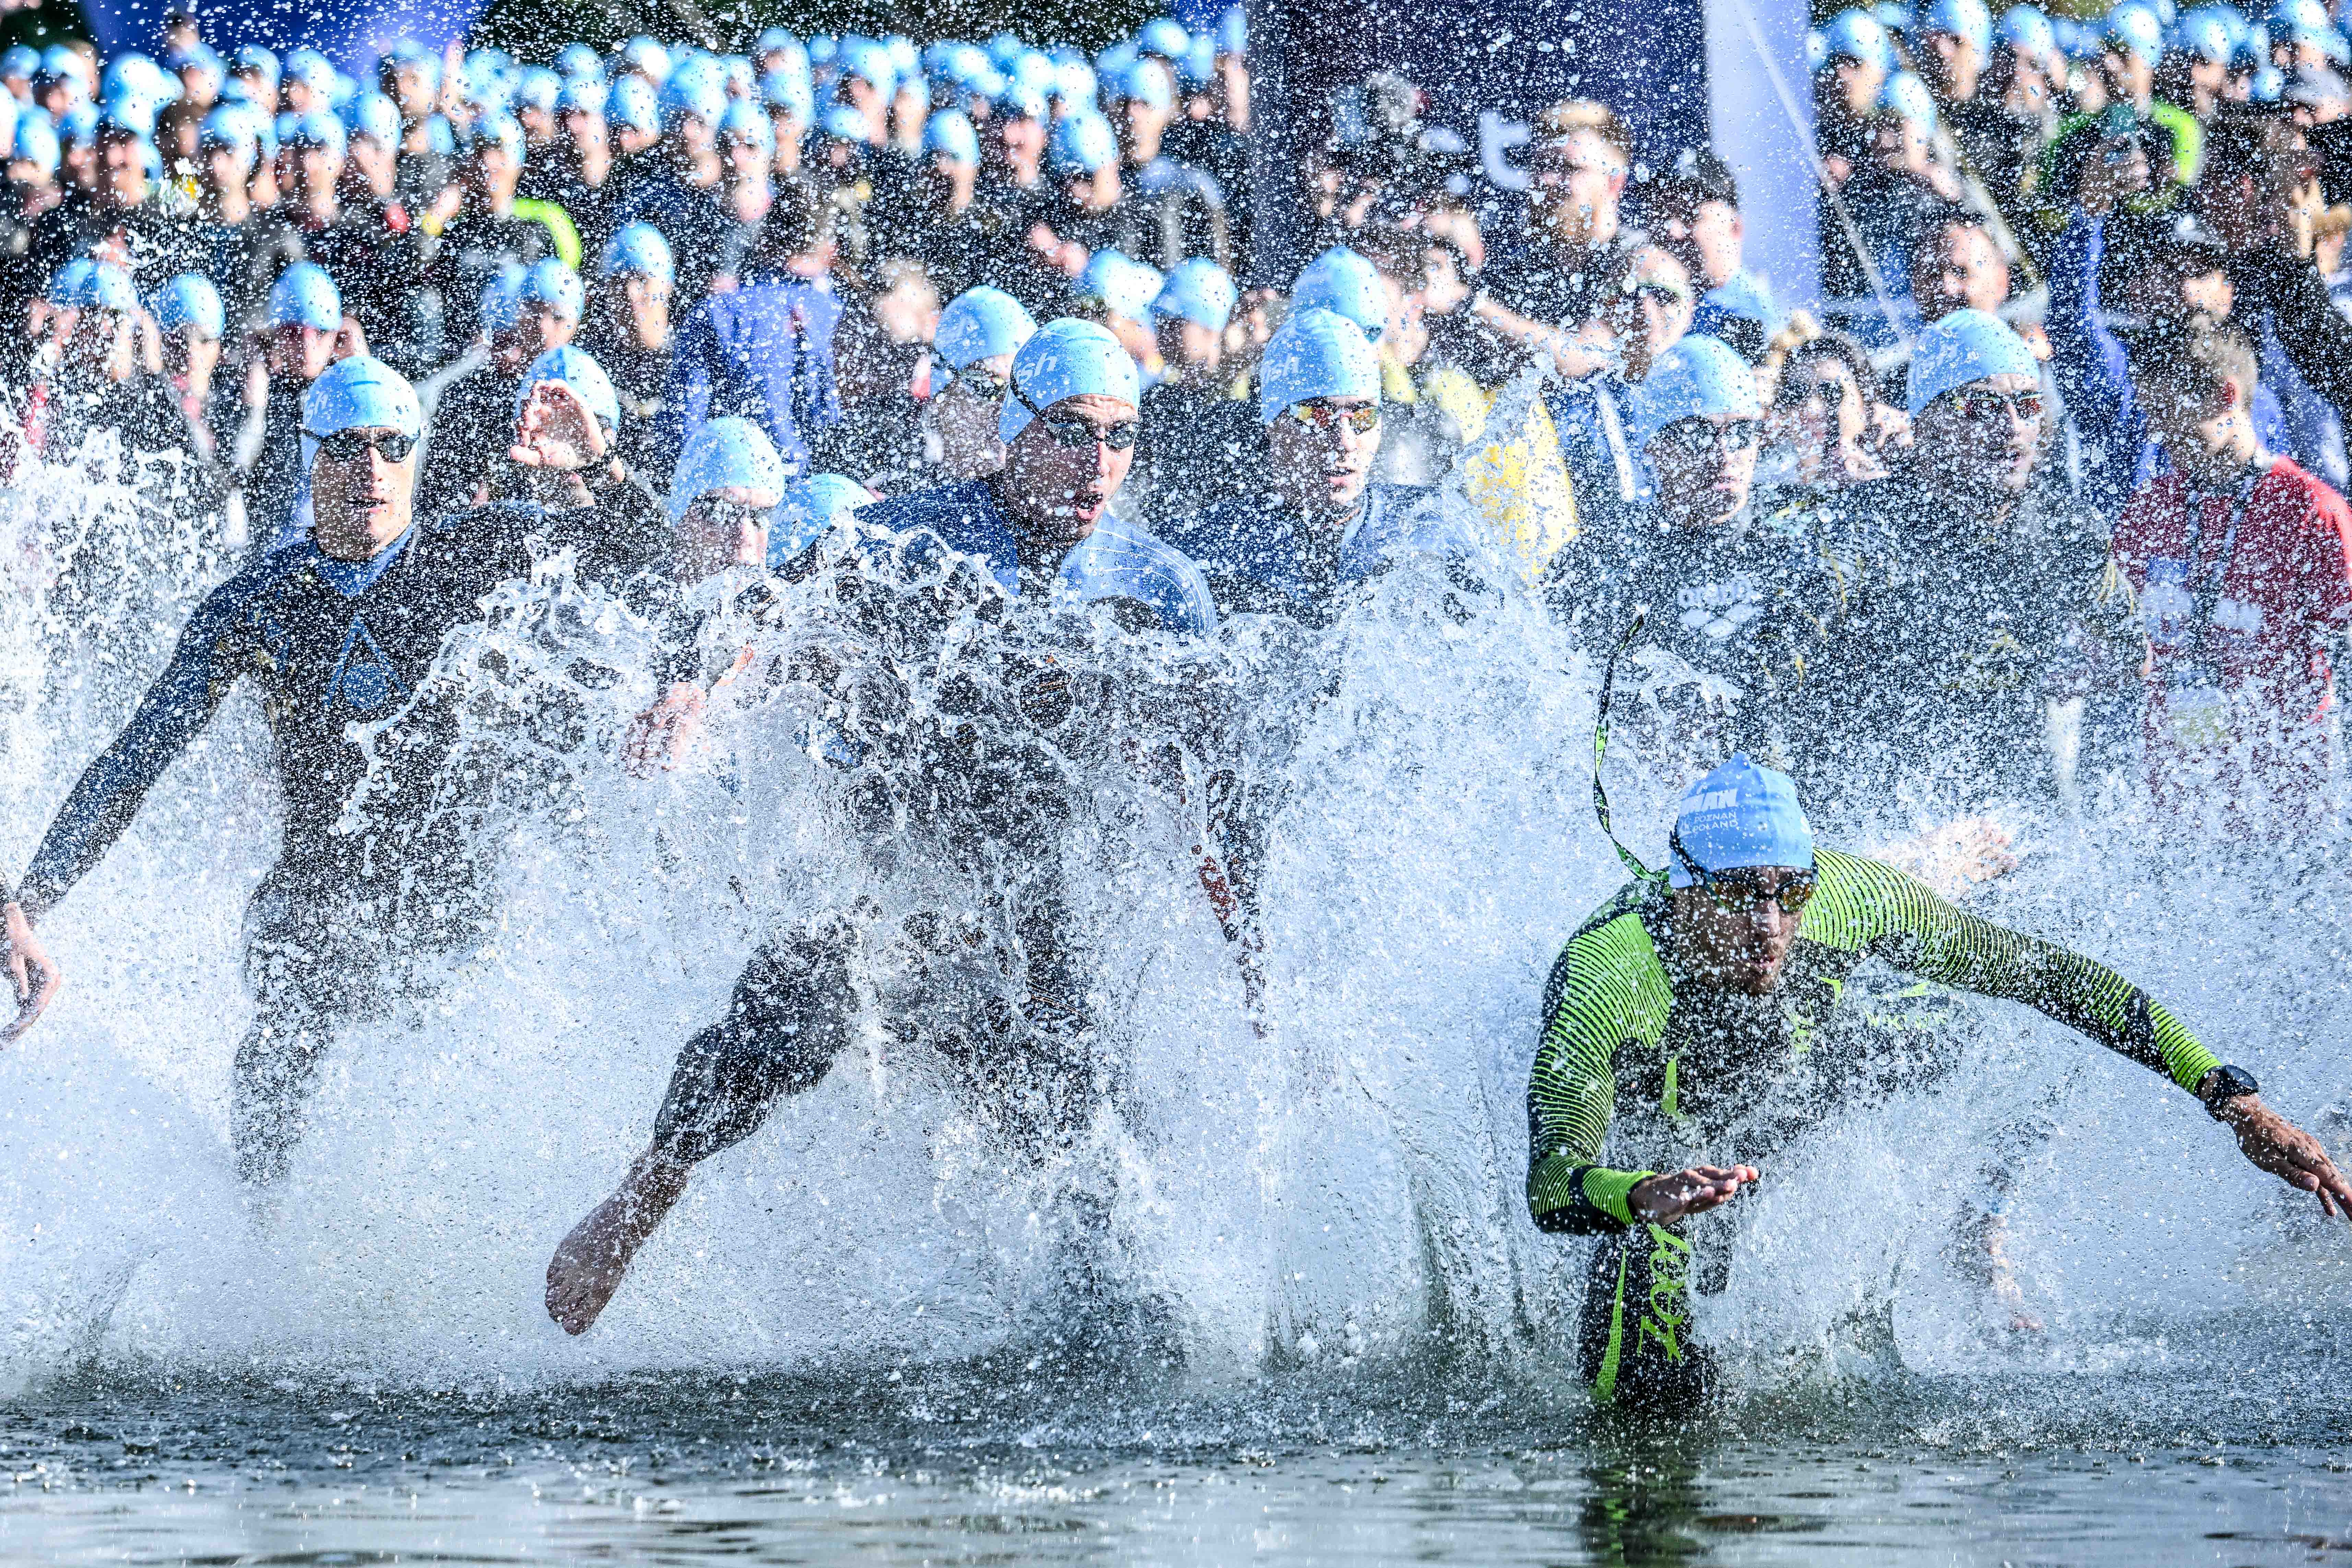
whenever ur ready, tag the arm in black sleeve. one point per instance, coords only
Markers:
(2316, 338)
(183, 697)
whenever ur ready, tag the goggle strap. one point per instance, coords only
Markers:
(1601, 749)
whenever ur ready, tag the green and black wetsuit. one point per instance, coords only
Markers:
(1711, 1079)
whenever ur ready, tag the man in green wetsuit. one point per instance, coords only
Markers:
(1690, 1020)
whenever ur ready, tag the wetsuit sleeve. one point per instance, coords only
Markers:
(1868, 907)
(183, 697)
(2087, 362)
(2316, 339)
(1606, 990)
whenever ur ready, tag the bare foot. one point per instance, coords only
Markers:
(588, 1268)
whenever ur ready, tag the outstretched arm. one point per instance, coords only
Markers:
(183, 697)
(1898, 918)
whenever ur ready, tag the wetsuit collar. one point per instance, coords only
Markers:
(352, 578)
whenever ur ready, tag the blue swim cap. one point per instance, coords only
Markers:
(1316, 353)
(638, 248)
(314, 128)
(2205, 36)
(1906, 96)
(1083, 142)
(1741, 816)
(190, 301)
(20, 62)
(37, 144)
(747, 122)
(538, 90)
(1164, 37)
(632, 105)
(2025, 29)
(375, 117)
(254, 58)
(1698, 376)
(103, 287)
(644, 56)
(1122, 285)
(950, 133)
(1856, 36)
(230, 125)
(69, 281)
(1963, 347)
(843, 123)
(578, 62)
(1020, 101)
(309, 67)
(2138, 30)
(982, 323)
(810, 507)
(1197, 290)
(790, 93)
(552, 283)
(502, 299)
(577, 369)
(725, 454)
(693, 88)
(583, 95)
(1232, 31)
(1346, 283)
(358, 393)
(1067, 358)
(496, 125)
(1198, 65)
(1074, 84)
(1968, 19)
(305, 295)
(1146, 81)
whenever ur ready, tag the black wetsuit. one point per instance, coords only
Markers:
(331, 643)
(978, 774)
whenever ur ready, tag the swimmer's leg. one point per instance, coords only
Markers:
(276, 1067)
(1634, 1338)
(788, 1019)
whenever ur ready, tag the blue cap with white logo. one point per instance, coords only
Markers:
(1738, 817)
(1067, 358)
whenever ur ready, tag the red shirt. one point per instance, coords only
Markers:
(2238, 664)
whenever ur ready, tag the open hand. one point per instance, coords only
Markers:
(663, 732)
(2277, 1145)
(33, 972)
(556, 431)
(1664, 1199)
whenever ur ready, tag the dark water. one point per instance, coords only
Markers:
(1005, 1462)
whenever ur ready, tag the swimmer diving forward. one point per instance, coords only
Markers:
(1693, 1027)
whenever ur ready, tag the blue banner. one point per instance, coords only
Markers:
(353, 34)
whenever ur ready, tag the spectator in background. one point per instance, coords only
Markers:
(1695, 219)
(1828, 426)
(2242, 562)
(1574, 247)
(765, 351)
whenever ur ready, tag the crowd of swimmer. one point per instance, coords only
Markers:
(999, 321)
